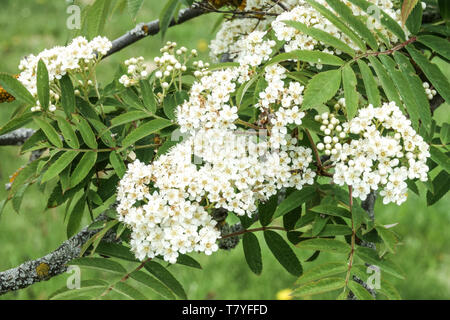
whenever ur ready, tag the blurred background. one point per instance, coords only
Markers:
(33, 25)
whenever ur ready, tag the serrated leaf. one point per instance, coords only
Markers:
(252, 252)
(68, 133)
(172, 101)
(117, 163)
(83, 167)
(86, 286)
(322, 271)
(49, 131)
(440, 158)
(320, 286)
(67, 95)
(17, 122)
(283, 252)
(42, 84)
(369, 255)
(354, 22)
(312, 56)
(166, 16)
(414, 20)
(441, 185)
(386, 81)
(18, 197)
(15, 88)
(389, 238)
(404, 89)
(359, 291)
(148, 96)
(144, 130)
(318, 225)
(437, 44)
(102, 264)
(326, 245)
(381, 16)
(322, 36)
(75, 217)
(128, 291)
(407, 7)
(165, 277)
(186, 260)
(294, 200)
(59, 165)
(432, 71)
(387, 289)
(133, 7)
(267, 209)
(115, 250)
(350, 93)
(96, 17)
(331, 210)
(330, 16)
(321, 88)
(128, 117)
(87, 134)
(153, 283)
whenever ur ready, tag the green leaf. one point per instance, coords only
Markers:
(311, 56)
(332, 210)
(18, 197)
(404, 88)
(133, 7)
(331, 16)
(87, 134)
(252, 252)
(171, 103)
(16, 89)
(98, 264)
(321, 88)
(445, 133)
(75, 217)
(186, 260)
(354, 22)
(68, 132)
(387, 289)
(369, 255)
(152, 283)
(320, 286)
(144, 130)
(147, 96)
(128, 291)
(24, 175)
(165, 277)
(386, 81)
(267, 209)
(322, 271)
(437, 44)
(59, 165)
(318, 225)
(115, 250)
(444, 9)
(96, 17)
(441, 185)
(294, 200)
(411, 15)
(322, 36)
(381, 16)
(86, 286)
(417, 87)
(326, 245)
(283, 252)
(335, 230)
(432, 71)
(440, 158)
(117, 163)
(359, 291)
(350, 93)
(67, 95)
(42, 84)
(389, 238)
(166, 15)
(83, 167)
(17, 122)
(128, 117)
(242, 90)
(49, 132)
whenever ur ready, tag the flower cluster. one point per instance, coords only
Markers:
(73, 58)
(387, 153)
(136, 71)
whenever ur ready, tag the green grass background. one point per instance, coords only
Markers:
(32, 25)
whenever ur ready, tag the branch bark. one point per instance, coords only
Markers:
(151, 28)
(16, 137)
(47, 267)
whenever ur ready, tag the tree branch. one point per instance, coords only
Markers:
(51, 265)
(16, 137)
(151, 28)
